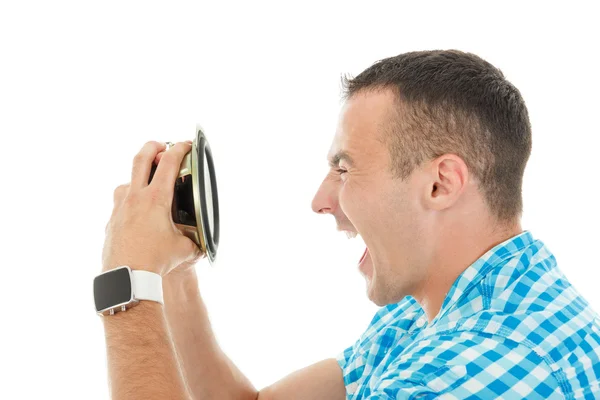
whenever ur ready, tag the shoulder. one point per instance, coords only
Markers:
(540, 309)
(530, 301)
(470, 364)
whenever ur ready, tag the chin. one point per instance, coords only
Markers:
(374, 293)
(378, 300)
(382, 295)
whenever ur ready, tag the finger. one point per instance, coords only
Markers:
(168, 170)
(142, 163)
(120, 193)
(158, 157)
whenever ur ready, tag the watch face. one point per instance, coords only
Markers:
(112, 288)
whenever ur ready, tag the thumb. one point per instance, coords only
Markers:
(193, 252)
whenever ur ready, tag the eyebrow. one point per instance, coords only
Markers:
(340, 155)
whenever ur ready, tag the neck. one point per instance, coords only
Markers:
(455, 253)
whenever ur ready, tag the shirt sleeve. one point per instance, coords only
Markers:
(344, 356)
(467, 365)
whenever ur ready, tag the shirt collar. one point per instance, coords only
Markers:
(471, 276)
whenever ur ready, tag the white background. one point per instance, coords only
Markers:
(84, 85)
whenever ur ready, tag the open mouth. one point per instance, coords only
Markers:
(352, 235)
(364, 255)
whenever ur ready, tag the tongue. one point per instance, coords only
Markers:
(364, 255)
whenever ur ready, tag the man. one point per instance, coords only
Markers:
(427, 166)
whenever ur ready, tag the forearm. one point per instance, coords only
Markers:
(141, 359)
(209, 373)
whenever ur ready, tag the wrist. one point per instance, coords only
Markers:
(144, 311)
(181, 281)
(123, 288)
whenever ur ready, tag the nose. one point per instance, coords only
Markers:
(325, 200)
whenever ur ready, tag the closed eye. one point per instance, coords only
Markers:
(340, 171)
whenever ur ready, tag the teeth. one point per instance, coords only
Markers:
(350, 235)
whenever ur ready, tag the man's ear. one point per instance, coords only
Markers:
(448, 176)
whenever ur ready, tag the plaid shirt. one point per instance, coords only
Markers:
(511, 327)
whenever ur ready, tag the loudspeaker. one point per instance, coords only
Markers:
(195, 207)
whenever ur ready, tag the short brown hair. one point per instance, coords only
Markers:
(454, 102)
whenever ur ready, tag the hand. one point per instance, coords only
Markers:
(141, 232)
(185, 271)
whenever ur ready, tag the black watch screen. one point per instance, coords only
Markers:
(112, 288)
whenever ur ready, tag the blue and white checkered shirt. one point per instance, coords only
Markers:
(511, 327)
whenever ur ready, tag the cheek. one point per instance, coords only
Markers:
(386, 210)
(361, 204)
(350, 198)
(345, 199)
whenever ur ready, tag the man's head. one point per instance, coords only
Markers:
(431, 146)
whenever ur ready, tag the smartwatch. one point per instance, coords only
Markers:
(122, 288)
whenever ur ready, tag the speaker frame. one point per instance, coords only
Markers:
(201, 151)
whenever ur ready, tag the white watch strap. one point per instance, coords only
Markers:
(147, 286)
